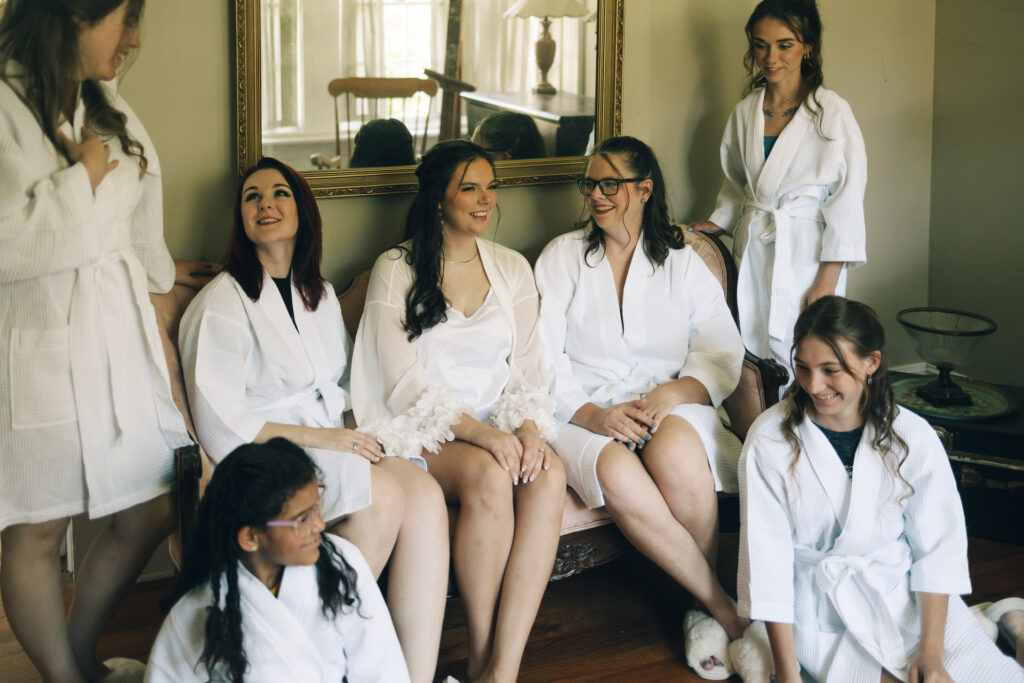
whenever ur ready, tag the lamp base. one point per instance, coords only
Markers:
(544, 50)
(545, 89)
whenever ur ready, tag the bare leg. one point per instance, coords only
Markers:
(112, 563)
(538, 522)
(644, 517)
(31, 585)
(374, 528)
(418, 569)
(472, 478)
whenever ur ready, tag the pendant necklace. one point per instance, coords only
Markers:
(770, 113)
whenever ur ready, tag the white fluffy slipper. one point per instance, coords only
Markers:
(123, 670)
(751, 655)
(996, 611)
(987, 625)
(705, 638)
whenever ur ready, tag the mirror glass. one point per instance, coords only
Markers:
(352, 92)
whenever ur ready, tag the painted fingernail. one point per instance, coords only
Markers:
(653, 423)
(647, 437)
(632, 446)
(690, 229)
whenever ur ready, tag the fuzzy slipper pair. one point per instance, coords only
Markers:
(707, 646)
(1010, 626)
(751, 655)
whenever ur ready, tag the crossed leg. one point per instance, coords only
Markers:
(664, 502)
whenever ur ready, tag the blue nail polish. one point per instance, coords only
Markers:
(632, 446)
(647, 437)
(653, 423)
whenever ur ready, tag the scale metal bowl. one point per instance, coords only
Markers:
(946, 338)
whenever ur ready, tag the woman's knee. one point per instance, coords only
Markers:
(44, 537)
(488, 488)
(617, 472)
(387, 499)
(153, 520)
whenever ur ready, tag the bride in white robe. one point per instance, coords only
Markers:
(293, 623)
(448, 370)
(856, 573)
(643, 350)
(795, 171)
(266, 363)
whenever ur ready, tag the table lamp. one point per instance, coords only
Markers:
(545, 46)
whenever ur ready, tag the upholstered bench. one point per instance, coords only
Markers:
(589, 537)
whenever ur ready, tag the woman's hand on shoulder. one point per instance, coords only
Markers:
(346, 441)
(194, 274)
(93, 154)
(536, 454)
(928, 668)
(703, 226)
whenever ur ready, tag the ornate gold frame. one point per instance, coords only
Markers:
(350, 183)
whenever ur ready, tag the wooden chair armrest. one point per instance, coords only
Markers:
(188, 469)
(773, 376)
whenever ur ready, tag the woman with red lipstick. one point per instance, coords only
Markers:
(265, 594)
(795, 171)
(853, 548)
(265, 354)
(643, 349)
(448, 371)
(87, 424)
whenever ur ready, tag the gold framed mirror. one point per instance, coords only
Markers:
(607, 86)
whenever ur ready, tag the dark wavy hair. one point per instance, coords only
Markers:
(512, 133)
(250, 487)
(802, 18)
(833, 319)
(425, 304)
(42, 36)
(383, 142)
(659, 233)
(244, 265)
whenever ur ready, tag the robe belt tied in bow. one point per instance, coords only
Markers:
(333, 398)
(639, 382)
(854, 589)
(779, 230)
(94, 325)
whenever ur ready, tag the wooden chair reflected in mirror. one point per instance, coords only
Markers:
(407, 99)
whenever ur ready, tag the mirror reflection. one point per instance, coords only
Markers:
(374, 83)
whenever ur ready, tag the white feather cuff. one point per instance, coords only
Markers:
(527, 403)
(426, 425)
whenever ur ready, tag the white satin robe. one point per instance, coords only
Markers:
(393, 396)
(841, 559)
(246, 364)
(674, 323)
(288, 638)
(801, 206)
(87, 421)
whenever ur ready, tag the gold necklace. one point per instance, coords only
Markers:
(454, 262)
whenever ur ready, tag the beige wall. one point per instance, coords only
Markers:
(686, 53)
(977, 251)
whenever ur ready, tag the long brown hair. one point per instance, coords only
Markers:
(833, 319)
(42, 37)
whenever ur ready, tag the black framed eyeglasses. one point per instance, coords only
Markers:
(609, 186)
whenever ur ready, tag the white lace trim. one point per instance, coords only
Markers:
(426, 425)
(528, 403)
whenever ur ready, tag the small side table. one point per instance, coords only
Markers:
(987, 457)
(564, 120)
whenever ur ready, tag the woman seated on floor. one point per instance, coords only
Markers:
(448, 370)
(643, 348)
(265, 354)
(264, 593)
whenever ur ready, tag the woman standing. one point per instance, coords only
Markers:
(448, 370)
(795, 170)
(853, 548)
(265, 354)
(643, 348)
(88, 423)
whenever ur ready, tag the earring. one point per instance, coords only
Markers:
(643, 200)
(869, 380)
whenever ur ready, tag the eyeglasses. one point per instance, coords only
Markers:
(306, 523)
(609, 186)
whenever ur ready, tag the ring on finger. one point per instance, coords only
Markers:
(355, 446)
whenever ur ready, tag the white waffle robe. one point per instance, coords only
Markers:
(801, 206)
(841, 558)
(246, 364)
(87, 420)
(288, 638)
(674, 323)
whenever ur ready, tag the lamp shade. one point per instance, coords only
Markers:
(546, 8)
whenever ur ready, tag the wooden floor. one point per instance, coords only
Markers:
(614, 623)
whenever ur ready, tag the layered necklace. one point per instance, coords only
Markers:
(770, 113)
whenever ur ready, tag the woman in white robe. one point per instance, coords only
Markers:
(448, 370)
(643, 349)
(795, 171)
(853, 547)
(88, 424)
(285, 601)
(265, 353)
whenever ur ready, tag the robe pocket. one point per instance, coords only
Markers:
(40, 378)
